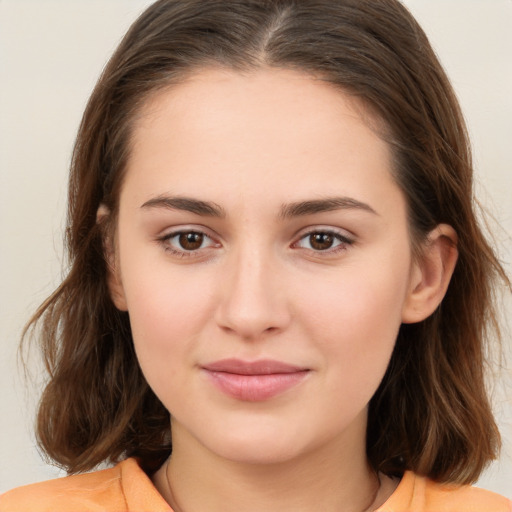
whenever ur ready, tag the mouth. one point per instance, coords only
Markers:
(254, 381)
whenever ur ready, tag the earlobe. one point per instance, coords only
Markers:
(431, 274)
(114, 281)
(116, 289)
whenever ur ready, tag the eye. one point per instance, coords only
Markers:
(323, 240)
(185, 242)
(189, 241)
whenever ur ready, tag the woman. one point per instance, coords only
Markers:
(274, 253)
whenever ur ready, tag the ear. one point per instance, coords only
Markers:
(431, 274)
(114, 281)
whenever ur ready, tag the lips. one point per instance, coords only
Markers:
(254, 381)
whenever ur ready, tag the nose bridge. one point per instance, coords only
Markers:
(253, 301)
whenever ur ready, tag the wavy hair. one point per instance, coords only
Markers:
(431, 413)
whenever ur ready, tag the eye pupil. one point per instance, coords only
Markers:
(191, 241)
(321, 241)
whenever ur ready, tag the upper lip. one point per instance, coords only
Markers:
(260, 367)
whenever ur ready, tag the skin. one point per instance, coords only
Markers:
(258, 287)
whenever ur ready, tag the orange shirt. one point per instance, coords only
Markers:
(127, 488)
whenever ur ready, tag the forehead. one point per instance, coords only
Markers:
(232, 133)
(273, 93)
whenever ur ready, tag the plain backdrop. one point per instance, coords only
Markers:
(51, 53)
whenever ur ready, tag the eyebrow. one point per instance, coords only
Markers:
(188, 204)
(301, 208)
(296, 209)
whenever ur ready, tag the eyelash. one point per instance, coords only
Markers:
(343, 240)
(183, 253)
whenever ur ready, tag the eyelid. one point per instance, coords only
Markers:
(323, 228)
(170, 231)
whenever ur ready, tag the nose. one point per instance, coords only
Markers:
(253, 301)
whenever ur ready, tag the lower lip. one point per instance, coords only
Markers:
(255, 388)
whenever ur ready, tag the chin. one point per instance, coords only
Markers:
(260, 447)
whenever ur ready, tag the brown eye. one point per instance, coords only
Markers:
(329, 242)
(190, 241)
(321, 241)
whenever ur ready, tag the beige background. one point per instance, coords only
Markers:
(51, 52)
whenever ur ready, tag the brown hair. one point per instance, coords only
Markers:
(431, 413)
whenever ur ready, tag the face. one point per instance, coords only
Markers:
(262, 253)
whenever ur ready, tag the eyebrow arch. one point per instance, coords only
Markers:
(323, 205)
(188, 204)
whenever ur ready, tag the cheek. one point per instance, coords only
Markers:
(355, 317)
(161, 311)
(168, 309)
(164, 299)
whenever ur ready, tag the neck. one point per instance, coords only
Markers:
(330, 478)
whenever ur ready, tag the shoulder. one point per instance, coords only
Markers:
(99, 490)
(464, 498)
(419, 494)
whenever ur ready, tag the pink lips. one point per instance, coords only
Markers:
(254, 381)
